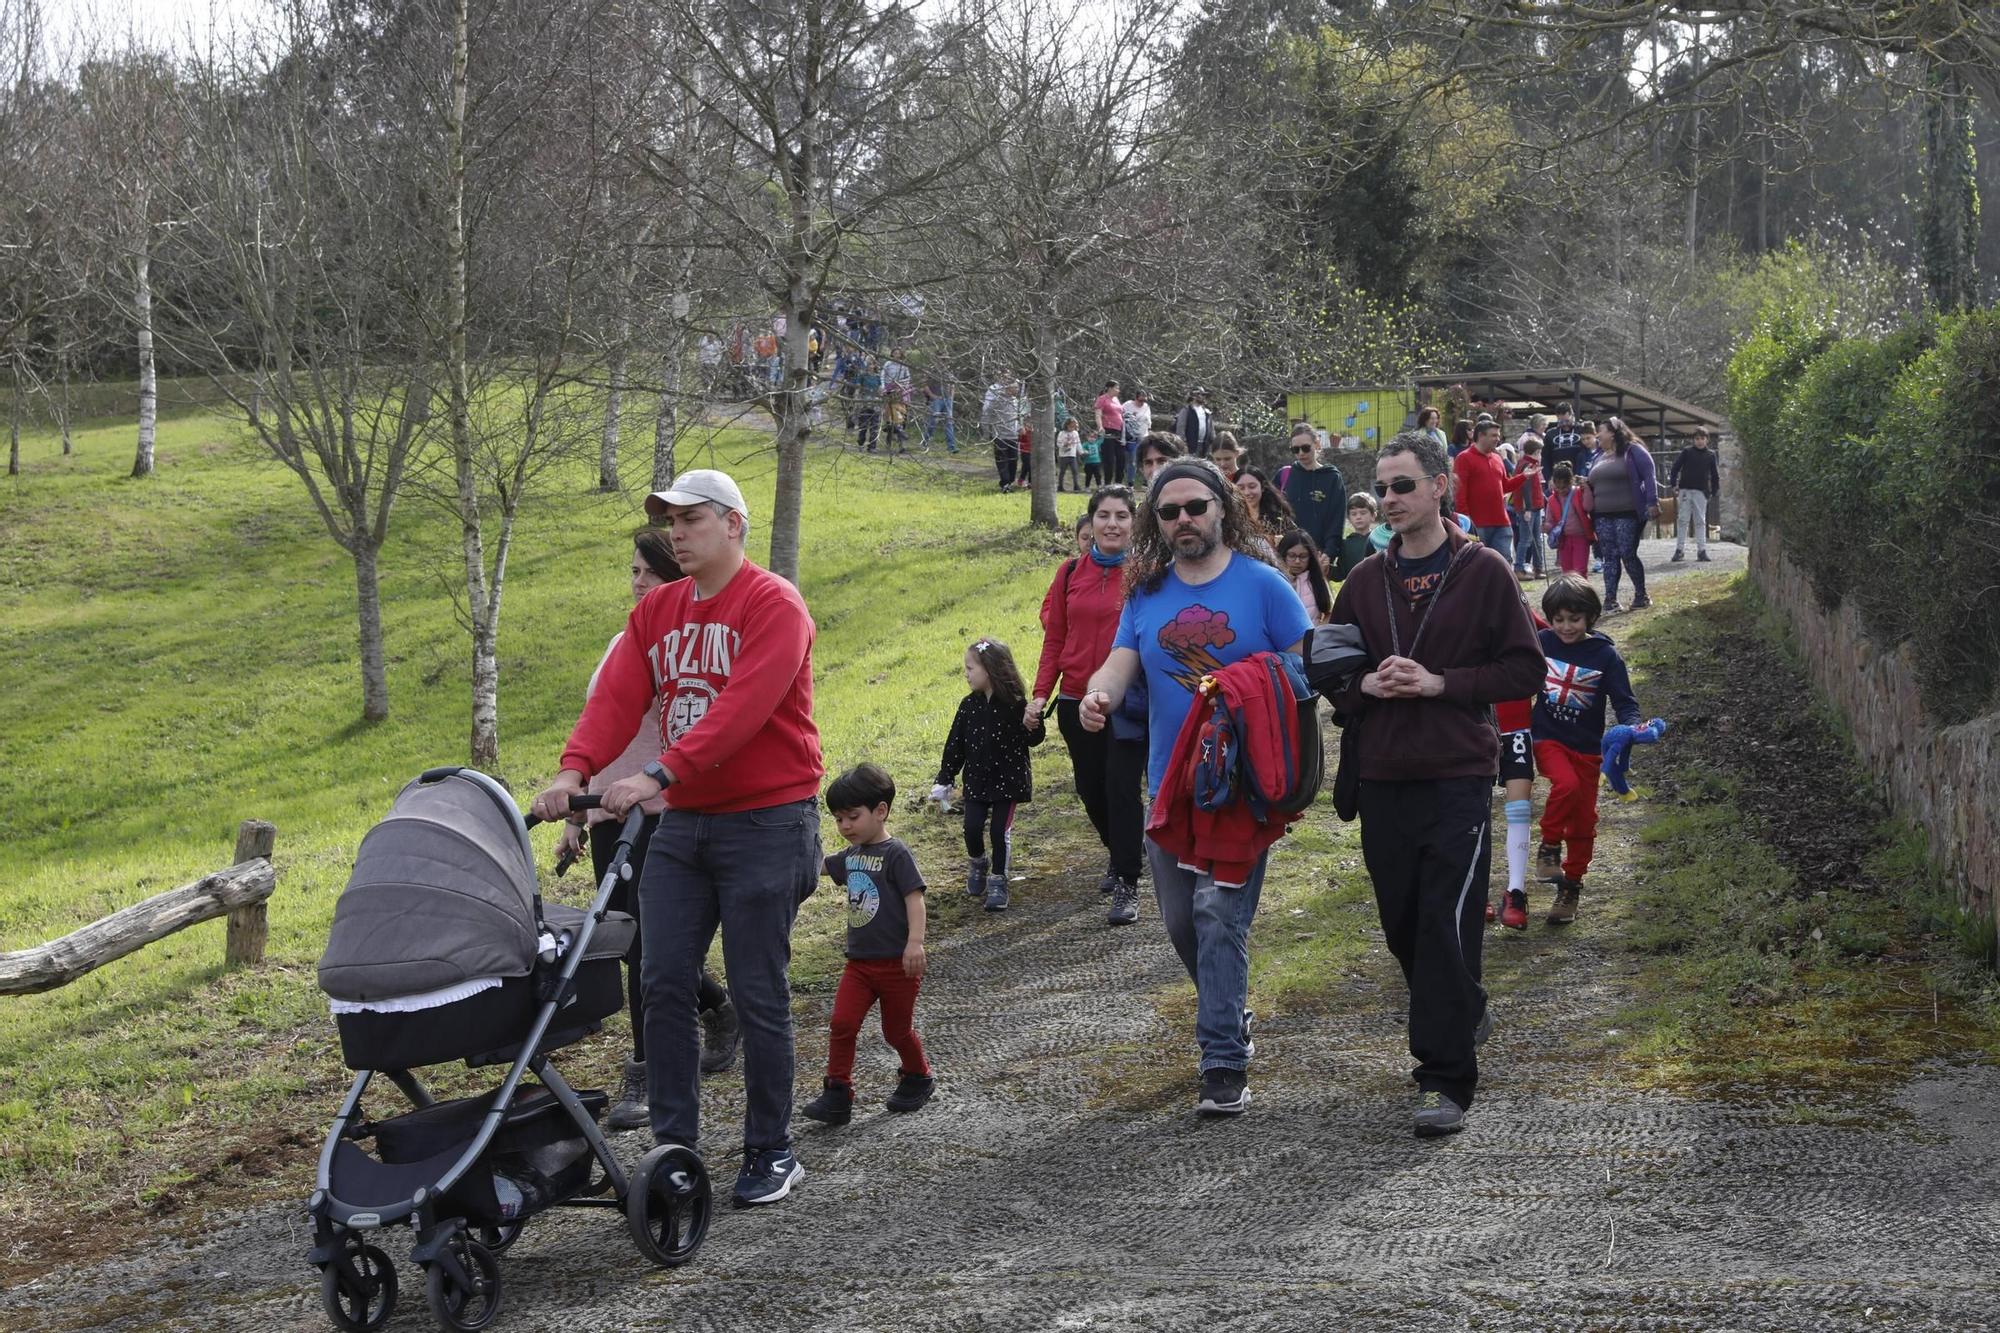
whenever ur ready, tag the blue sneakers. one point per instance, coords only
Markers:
(767, 1177)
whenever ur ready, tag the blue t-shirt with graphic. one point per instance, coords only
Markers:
(877, 877)
(1184, 632)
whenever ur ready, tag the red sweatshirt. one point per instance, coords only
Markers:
(1483, 487)
(1079, 621)
(734, 677)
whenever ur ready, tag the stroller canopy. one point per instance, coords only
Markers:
(442, 892)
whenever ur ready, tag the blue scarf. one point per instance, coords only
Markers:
(1108, 561)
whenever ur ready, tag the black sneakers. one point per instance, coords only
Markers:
(767, 1177)
(1124, 903)
(912, 1091)
(996, 893)
(1223, 1092)
(1438, 1115)
(720, 1036)
(833, 1106)
(975, 876)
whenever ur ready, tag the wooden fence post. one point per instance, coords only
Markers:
(250, 926)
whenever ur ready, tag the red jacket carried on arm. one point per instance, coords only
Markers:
(1079, 621)
(733, 674)
(1226, 843)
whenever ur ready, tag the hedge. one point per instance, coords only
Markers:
(1878, 462)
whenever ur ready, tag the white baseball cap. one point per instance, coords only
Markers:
(701, 486)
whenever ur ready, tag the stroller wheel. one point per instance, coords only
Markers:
(465, 1307)
(668, 1204)
(497, 1239)
(359, 1289)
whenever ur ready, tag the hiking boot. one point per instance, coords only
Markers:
(1549, 863)
(1438, 1115)
(975, 876)
(912, 1091)
(1702, 557)
(1223, 1092)
(1677, 557)
(721, 1034)
(632, 1109)
(833, 1106)
(1124, 904)
(1249, 1045)
(1514, 916)
(767, 1177)
(1563, 910)
(996, 893)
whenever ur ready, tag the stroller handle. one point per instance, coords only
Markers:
(577, 803)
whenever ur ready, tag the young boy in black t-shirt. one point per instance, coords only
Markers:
(885, 945)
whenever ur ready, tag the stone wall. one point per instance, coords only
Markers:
(1946, 780)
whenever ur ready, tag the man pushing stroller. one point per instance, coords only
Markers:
(728, 652)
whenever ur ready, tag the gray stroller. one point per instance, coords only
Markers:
(443, 950)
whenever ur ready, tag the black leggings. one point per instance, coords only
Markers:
(1109, 784)
(625, 898)
(998, 817)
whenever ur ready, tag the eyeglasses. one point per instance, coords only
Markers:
(1401, 486)
(1193, 509)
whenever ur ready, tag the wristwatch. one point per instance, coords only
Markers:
(657, 771)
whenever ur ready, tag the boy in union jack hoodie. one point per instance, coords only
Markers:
(1584, 673)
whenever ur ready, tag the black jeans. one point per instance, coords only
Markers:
(996, 817)
(1006, 459)
(624, 898)
(1429, 850)
(1113, 796)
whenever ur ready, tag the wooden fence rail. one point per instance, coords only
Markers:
(240, 891)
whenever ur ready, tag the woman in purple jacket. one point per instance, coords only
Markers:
(1624, 493)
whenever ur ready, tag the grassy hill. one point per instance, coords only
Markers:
(180, 654)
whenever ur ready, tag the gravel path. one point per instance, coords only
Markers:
(1058, 1181)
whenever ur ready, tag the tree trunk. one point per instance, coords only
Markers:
(14, 425)
(485, 668)
(614, 403)
(1949, 225)
(1042, 397)
(63, 412)
(142, 304)
(368, 590)
(788, 505)
(1694, 153)
(667, 419)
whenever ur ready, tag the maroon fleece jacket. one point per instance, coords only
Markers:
(1479, 638)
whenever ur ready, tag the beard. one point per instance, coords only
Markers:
(1196, 545)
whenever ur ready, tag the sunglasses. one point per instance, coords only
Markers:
(1193, 509)
(1302, 448)
(1401, 486)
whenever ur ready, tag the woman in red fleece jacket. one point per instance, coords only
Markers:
(1079, 620)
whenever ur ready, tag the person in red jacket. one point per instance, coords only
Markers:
(728, 652)
(1483, 488)
(1444, 622)
(1079, 620)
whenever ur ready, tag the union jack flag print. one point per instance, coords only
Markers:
(1570, 686)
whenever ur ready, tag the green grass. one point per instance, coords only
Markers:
(1756, 982)
(182, 654)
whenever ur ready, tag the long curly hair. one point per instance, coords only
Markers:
(997, 659)
(1151, 553)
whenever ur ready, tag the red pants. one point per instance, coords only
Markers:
(1569, 816)
(865, 981)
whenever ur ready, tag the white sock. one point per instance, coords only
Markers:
(1517, 844)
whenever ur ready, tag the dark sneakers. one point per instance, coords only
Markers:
(912, 1091)
(720, 1036)
(767, 1177)
(996, 893)
(833, 1106)
(1438, 1115)
(975, 876)
(1563, 910)
(631, 1110)
(1223, 1092)
(1124, 903)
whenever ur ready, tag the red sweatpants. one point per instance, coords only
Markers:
(862, 983)
(1569, 816)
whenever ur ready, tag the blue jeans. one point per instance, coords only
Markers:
(1210, 930)
(746, 872)
(940, 414)
(1528, 540)
(1500, 539)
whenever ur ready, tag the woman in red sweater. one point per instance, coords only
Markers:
(1079, 620)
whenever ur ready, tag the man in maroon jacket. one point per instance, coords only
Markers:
(1442, 618)
(728, 652)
